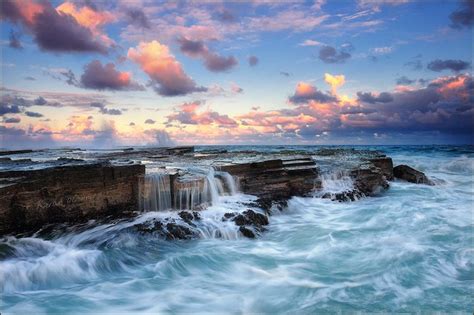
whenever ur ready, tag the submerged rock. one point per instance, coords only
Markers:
(411, 175)
(247, 232)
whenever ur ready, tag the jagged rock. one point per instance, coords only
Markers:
(411, 175)
(246, 232)
(350, 195)
(176, 231)
(67, 194)
(385, 164)
(369, 180)
(186, 216)
(251, 217)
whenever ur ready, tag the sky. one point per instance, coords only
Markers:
(102, 74)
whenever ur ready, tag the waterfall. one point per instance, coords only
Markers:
(229, 182)
(156, 194)
(188, 195)
(191, 189)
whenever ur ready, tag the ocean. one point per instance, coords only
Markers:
(411, 249)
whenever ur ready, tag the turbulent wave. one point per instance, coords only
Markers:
(408, 250)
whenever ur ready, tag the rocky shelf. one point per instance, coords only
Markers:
(73, 185)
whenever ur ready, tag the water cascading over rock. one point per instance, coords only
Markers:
(187, 190)
(156, 192)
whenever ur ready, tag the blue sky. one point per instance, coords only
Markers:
(110, 73)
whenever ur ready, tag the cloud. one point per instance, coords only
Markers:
(137, 17)
(166, 73)
(188, 114)
(33, 114)
(463, 16)
(9, 109)
(15, 40)
(329, 54)
(235, 88)
(449, 64)
(310, 43)
(62, 29)
(40, 101)
(305, 92)
(286, 74)
(106, 77)
(334, 81)
(106, 111)
(30, 78)
(212, 61)
(382, 50)
(11, 120)
(150, 121)
(403, 80)
(370, 98)
(218, 63)
(253, 61)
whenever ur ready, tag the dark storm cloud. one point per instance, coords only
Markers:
(192, 48)
(449, 64)
(11, 120)
(212, 61)
(9, 109)
(70, 78)
(106, 111)
(311, 95)
(463, 16)
(33, 114)
(137, 17)
(329, 54)
(15, 40)
(370, 98)
(106, 77)
(53, 31)
(40, 101)
(253, 61)
(218, 63)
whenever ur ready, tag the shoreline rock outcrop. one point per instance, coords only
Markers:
(411, 175)
(32, 199)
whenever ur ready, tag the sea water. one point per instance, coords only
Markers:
(410, 249)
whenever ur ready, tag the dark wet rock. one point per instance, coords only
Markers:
(276, 179)
(186, 216)
(267, 204)
(15, 152)
(251, 217)
(228, 216)
(349, 195)
(369, 180)
(411, 175)
(180, 232)
(197, 215)
(246, 232)
(67, 194)
(385, 164)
